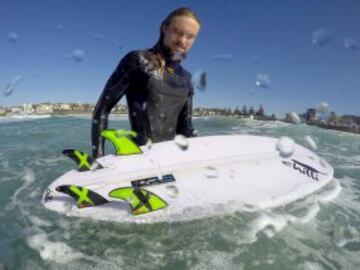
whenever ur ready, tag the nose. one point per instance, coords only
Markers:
(182, 40)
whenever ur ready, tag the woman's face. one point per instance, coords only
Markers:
(180, 34)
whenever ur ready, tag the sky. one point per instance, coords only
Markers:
(286, 55)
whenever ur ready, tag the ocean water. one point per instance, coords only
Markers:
(321, 231)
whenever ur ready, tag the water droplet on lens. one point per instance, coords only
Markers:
(67, 206)
(351, 44)
(144, 106)
(199, 80)
(98, 36)
(178, 56)
(263, 80)
(162, 118)
(78, 55)
(269, 231)
(95, 166)
(285, 146)
(321, 37)
(249, 207)
(338, 235)
(59, 28)
(322, 107)
(13, 37)
(295, 118)
(181, 142)
(131, 199)
(310, 142)
(10, 87)
(172, 191)
(223, 57)
(323, 162)
(255, 58)
(211, 172)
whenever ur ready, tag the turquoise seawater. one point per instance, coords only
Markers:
(321, 231)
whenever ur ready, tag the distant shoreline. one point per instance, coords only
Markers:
(347, 123)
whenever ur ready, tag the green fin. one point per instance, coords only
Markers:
(123, 141)
(84, 197)
(82, 159)
(141, 200)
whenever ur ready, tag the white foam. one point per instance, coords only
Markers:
(38, 222)
(52, 251)
(29, 176)
(215, 260)
(331, 194)
(310, 266)
(310, 214)
(348, 198)
(22, 117)
(267, 222)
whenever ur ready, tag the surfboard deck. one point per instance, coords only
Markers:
(213, 174)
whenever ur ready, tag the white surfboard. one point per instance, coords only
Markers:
(208, 176)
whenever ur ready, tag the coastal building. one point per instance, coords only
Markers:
(28, 108)
(63, 106)
(347, 123)
(16, 110)
(2, 111)
(310, 115)
(44, 108)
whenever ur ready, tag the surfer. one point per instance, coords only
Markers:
(158, 89)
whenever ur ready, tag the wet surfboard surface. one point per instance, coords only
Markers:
(208, 176)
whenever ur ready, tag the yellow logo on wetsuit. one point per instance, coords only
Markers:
(170, 70)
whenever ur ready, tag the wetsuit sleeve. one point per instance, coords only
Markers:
(114, 90)
(184, 125)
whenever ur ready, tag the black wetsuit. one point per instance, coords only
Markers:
(159, 106)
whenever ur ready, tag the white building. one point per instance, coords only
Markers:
(28, 108)
(44, 108)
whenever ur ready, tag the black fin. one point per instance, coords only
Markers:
(83, 160)
(84, 197)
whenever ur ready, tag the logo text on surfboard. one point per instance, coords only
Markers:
(303, 169)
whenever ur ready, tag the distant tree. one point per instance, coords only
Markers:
(273, 117)
(288, 118)
(86, 107)
(251, 111)
(244, 110)
(237, 112)
(228, 111)
(260, 112)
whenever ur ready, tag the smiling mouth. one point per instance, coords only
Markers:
(177, 49)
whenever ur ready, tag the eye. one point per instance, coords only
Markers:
(190, 36)
(177, 31)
